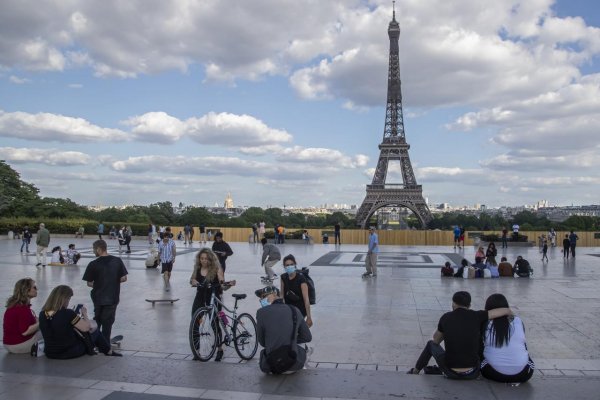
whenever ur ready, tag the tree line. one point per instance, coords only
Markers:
(19, 199)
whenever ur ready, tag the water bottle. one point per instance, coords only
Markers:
(223, 318)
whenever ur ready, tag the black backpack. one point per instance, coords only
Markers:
(312, 294)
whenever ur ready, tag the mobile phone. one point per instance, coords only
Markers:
(78, 308)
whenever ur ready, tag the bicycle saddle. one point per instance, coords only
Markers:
(239, 296)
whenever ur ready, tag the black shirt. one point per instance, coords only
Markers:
(462, 336)
(337, 227)
(60, 340)
(222, 250)
(106, 273)
(292, 291)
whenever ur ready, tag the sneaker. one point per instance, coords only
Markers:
(366, 275)
(374, 276)
(219, 356)
(114, 354)
(309, 352)
(412, 371)
(38, 264)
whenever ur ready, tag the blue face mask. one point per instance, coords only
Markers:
(290, 269)
(264, 302)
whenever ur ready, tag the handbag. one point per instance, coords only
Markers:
(284, 357)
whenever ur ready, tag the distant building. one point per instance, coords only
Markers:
(228, 202)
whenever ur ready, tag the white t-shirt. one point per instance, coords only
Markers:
(55, 257)
(516, 228)
(513, 356)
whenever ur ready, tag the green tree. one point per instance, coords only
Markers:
(17, 198)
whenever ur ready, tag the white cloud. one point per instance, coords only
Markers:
(233, 130)
(450, 174)
(57, 157)
(18, 81)
(53, 127)
(156, 127)
(75, 85)
(321, 156)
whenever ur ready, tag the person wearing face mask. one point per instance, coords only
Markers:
(275, 328)
(295, 289)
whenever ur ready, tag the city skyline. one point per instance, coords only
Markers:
(283, 102)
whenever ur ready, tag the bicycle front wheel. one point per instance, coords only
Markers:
(244, 336)
(203, 335)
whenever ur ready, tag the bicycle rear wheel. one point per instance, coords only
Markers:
(203, 334)
(244, 336)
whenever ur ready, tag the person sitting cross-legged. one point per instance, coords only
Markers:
(280, 325)
(64, 330)
(460, 330)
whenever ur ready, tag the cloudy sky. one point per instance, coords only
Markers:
(282, 102)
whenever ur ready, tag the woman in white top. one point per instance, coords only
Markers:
(505, 355)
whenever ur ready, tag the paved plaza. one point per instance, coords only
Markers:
(366, 333)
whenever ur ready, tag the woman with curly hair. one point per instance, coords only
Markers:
(207, 270)
(505, 355)
(21, 328)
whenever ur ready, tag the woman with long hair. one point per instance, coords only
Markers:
(491, 253)
(21, 328)
(208, 270)
(59, 323)
(505, 355)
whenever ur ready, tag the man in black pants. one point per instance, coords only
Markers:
(336, 231)
(460, 330)
(105, 275)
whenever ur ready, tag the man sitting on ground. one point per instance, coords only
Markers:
(277, 328)
(522, 268)
(505, 268)
(460, 330)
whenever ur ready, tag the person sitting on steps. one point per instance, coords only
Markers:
(460, 330)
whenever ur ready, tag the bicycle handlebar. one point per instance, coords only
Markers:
(209, 285)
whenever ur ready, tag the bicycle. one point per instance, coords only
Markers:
(211, 328)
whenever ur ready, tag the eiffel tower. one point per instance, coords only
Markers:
(393, 148)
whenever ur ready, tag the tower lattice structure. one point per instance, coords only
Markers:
(394, 148)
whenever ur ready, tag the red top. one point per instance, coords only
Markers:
(16, 321)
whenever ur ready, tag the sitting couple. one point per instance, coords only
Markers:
(505, 355)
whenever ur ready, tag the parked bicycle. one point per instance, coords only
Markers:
(211, 328)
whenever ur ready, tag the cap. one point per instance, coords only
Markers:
(267, 290)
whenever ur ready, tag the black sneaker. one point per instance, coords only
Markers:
(219, 356)
(38, 264)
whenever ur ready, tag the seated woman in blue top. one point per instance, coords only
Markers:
(505, 355)
(58, 324)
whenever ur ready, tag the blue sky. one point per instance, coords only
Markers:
(282, 102)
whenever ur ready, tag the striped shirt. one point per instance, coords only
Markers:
(166, 251)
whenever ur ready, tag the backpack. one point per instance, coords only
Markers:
(312, 294)
(284, 357)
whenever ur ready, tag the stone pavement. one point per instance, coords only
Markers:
(366, 332)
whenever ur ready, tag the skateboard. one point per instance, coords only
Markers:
(154, 301)
(116, 340)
